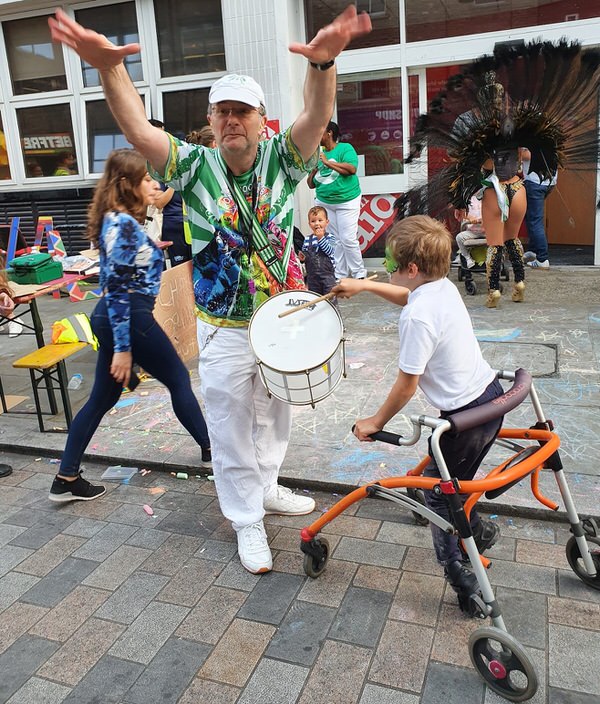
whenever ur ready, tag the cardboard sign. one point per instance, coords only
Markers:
(175, 310)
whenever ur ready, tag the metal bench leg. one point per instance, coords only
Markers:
(36, 396)
(62, 382)
(3, 398)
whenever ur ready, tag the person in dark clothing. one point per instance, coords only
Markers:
(173, 225)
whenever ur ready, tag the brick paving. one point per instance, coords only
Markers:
(100, 602)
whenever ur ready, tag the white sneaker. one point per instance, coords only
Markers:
(456, 260)
(537, 264)
(284, 502)
(253, 548)
(14, 328)
(470, 262)
(529, 256)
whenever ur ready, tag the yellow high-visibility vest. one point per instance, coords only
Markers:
(75, 328)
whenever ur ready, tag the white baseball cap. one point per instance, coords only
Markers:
(234, 86)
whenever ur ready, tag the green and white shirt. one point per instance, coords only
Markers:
(229, 283)
(331, 186)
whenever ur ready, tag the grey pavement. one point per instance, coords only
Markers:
(102, 603)
(555, 334)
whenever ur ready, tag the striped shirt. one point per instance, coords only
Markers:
(229, 280)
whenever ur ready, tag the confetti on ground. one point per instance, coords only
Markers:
(356, 365)
(38, 459)
(148, 509)
(182, 475)
(210, 478)
(494, 515)
(143, 393)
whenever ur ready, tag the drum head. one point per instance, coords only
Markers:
(303, 340)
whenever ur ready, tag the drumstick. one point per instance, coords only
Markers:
(308, 304)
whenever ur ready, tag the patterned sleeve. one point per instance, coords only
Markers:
(326, 245)
(291, 159)
(120, 271)
(183, 162)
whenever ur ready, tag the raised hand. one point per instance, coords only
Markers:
(92, 47)
(331, 40)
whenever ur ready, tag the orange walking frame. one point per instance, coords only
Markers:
(497, 656)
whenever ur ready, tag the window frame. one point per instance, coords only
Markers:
(85, 152)
(76, 126)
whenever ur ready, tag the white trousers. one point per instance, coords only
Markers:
(343, 225)
(249, 431)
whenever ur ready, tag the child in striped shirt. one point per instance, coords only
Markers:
(317, 253)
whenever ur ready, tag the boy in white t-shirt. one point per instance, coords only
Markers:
(439, 353)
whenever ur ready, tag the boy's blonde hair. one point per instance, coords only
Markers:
(317, 209)
(423, 241)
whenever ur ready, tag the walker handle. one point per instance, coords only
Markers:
(385, 436)
(518, 392)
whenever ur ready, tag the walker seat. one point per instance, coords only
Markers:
(497, 656)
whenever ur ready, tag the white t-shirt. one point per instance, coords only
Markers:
(535, 177)
(438, 343)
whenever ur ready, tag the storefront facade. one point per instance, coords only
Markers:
(56, 130)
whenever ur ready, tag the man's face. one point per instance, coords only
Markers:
(237, 126)
(325, 138)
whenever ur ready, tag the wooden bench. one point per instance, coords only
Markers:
(47, 365)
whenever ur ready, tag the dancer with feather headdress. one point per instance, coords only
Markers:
(541, 96)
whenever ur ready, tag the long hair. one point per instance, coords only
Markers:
(117, 190)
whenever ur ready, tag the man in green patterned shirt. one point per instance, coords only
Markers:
(233, 273)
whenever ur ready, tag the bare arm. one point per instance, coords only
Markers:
(160, 200)
(402, 391)
(319, 86)
(310, 181)
(121, 95)
(389, 292)
(343, 167)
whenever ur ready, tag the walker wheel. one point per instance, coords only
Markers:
(503, 664)
(418, 495)
(574, 558)
(461, 275)
(470, 288)
(316, 554)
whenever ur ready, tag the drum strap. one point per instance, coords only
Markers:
(258, 239)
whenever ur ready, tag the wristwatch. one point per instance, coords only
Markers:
(323, 67)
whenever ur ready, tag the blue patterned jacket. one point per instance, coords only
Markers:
(130, 262)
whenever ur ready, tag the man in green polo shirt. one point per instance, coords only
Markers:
(234, 270)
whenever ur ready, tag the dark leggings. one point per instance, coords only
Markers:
(463, 453)
(153, 351)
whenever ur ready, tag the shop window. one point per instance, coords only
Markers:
(119, 24)
(4, 165)
(437, 19)
(384, 14)
(103, 134)
(185, 110)
(35, 64)
(190, 36)
(369, 115)
(47, 141)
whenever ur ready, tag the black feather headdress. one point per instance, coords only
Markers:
(541, 95)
